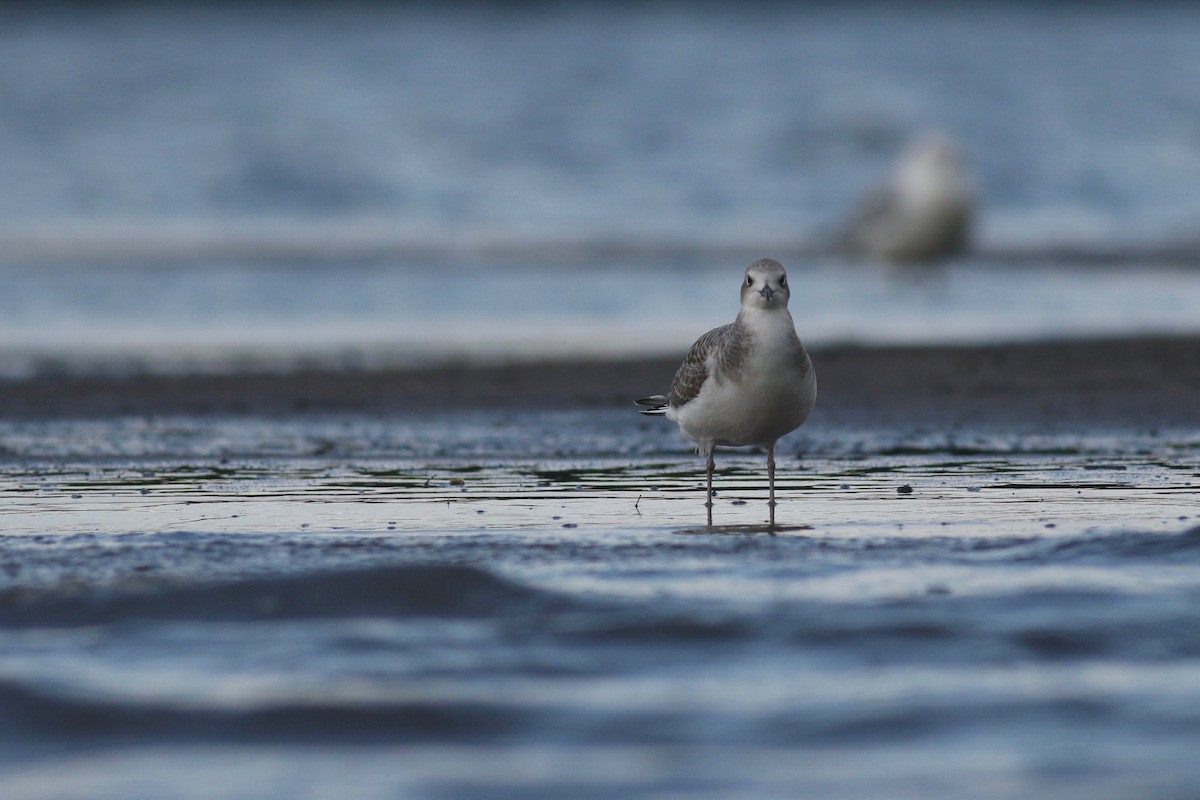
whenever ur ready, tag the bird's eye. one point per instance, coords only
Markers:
(783, 281)
(749, 281)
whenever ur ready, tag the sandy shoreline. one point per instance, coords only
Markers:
(1140, 382)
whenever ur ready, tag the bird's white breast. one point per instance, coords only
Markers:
(767, 396)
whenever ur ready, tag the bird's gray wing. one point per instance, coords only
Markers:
(694, 370)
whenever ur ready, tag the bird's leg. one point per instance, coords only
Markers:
(708, 493)
(771, 479)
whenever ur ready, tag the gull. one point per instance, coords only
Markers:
(746, 383)
(923, 212)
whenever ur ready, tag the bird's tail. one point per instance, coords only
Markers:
(655, 405)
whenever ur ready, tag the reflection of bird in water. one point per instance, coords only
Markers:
(746, 383)
(923, 212)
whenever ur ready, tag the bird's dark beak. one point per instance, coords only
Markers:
(766, 292)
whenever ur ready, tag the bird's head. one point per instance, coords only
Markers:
(765, 285)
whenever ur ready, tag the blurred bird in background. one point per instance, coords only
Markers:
(923, 212)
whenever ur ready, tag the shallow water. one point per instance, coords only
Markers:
(503, 604)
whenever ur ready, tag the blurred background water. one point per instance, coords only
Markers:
(189, 187)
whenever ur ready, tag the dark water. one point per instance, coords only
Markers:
(194, 187)
(528, 605)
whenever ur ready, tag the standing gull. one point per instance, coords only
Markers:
(923, 212)
(746, 383)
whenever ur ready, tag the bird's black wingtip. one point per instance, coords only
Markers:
(655, 405)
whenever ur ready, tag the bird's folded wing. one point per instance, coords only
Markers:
(694, 370)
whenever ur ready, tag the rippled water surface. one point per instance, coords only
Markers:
(504, 604)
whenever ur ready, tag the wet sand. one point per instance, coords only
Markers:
(1140, 382)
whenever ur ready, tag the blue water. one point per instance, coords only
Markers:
(503, 604)
(377, 315)
(581, 117)
(187, 188)
(526, 604)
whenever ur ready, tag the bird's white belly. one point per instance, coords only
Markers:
(769, 401)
